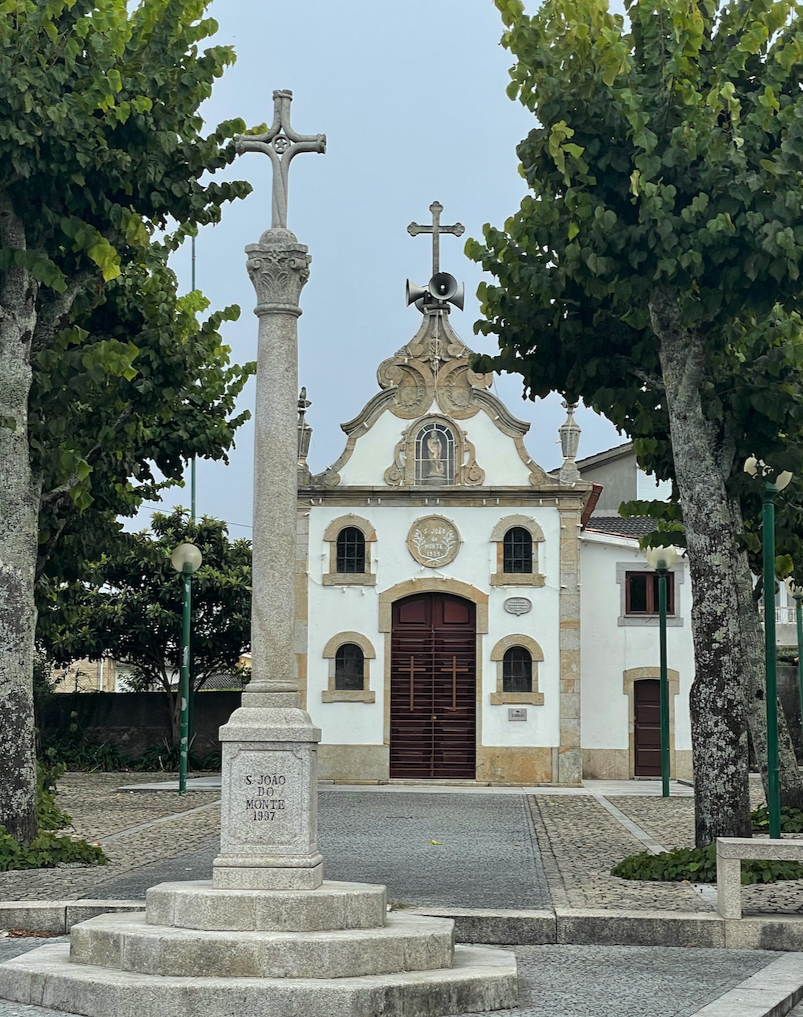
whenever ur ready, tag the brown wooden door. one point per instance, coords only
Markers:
(433, 688)
(647, 734)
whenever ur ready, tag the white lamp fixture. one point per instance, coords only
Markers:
(795, 590)
(661, 557)
(186, 558)
(757, 467)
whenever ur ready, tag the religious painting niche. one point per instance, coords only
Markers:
(434, 454)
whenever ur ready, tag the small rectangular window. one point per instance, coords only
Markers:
(641, 593)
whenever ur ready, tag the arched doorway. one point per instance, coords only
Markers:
(433, 679)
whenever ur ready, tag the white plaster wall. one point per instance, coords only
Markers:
(373, 452)
(608, 649)
(650, 489)
(331, 610)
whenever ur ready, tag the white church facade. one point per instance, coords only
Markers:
(463, 615)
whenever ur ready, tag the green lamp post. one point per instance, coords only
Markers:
(796, 591)
(662, 559)
(757, 468)
(186, 559)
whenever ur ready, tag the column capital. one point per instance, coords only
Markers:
(278, 267)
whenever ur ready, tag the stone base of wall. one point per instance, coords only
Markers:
(614, 764)
(353, 762)
(606, 764)
(505, 764)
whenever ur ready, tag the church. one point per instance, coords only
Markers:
(462, 615)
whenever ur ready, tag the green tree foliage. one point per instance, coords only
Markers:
(130, 608)
(138, 386)
(101, 146)
(653, 270)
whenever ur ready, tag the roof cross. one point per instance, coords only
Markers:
(281, 148)
(436, 229)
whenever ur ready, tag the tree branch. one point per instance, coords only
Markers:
(53, 310)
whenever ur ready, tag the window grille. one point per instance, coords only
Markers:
(350, 550)
(517, 670)
(349, 668)
(518, 551)
(641, 593)
(434, 454)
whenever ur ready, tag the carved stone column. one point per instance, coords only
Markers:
(270, 765)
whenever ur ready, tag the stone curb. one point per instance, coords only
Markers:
(771, 992)
(502, 927)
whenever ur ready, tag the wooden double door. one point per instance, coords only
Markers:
(433, 686)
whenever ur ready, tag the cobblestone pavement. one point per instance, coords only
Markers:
(99, 811)
(491, 850)
(582, 981)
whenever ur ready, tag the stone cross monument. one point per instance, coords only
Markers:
(267, 935)
(269, 829)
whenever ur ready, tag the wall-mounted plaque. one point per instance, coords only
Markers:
(433, 541)
(517, 714)
(518, 605)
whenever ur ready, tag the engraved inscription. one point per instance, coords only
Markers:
(266, 804)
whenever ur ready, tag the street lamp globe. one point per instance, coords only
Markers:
(753, 466)
(186, 558)
(661, 557)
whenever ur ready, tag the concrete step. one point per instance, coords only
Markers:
(481, 978)
(198, 905)
(128, 943)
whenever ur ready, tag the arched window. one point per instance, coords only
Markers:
(517, 670)
(434, 454)
(349, 668)
(350, 550)
(518, 551)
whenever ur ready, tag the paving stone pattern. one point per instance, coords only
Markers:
(585, 842)
(575, 981)
(484, 855)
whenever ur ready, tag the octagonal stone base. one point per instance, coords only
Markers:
(480, 979)
(199, 905)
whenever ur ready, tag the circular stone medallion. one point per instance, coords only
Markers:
(433, 541)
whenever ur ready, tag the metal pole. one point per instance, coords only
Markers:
(664, 683)
(184, 691)
(773, 785)
(191, 692)
(799, 619)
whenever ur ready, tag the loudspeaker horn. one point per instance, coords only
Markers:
(414, 292)
(444, 286)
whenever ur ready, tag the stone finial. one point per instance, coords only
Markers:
(569, 441)
(304, 430)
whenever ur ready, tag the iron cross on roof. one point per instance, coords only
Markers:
(436, 229)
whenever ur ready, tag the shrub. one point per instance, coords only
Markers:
(699, 865)
(47, 849)
(791, 819)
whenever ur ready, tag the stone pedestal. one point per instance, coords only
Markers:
(332, 951)
(269, 819)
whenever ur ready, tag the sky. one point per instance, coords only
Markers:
(411, 96)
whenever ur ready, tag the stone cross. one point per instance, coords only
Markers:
(436, 229)
(281, 144)
(268, 838)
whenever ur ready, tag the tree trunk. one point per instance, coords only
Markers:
(19, 512)
(716, 701)
(755, 685)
